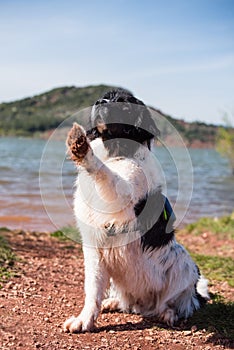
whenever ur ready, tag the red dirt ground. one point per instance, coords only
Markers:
(48, 288)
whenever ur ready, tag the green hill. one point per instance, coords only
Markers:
(46, 111)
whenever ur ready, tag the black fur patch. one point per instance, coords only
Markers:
(140, 206)
(153, 221)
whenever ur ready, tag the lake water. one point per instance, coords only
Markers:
(36, 184)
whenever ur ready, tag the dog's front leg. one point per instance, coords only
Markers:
(109, 185)
(96, 282)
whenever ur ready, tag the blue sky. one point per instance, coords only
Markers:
(175, 55)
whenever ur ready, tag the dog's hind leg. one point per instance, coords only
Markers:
(110, 304)
(116, 300)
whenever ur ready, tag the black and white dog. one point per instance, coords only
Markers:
(132, 260)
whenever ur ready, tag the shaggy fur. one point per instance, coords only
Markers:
(132, 260)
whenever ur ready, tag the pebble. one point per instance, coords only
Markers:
(186, 333)
(149, 338)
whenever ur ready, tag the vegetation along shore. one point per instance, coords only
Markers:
(38, 115)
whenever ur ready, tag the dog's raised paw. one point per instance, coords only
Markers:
(77, 143)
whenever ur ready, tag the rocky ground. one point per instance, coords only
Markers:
(47, 288)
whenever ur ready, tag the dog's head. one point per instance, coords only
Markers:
(123, 122)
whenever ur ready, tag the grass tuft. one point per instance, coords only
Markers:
(4, 229)
(7, 259)
(222, 227)
(67, 233)
(216, 268)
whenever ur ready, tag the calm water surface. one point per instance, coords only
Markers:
(36, 184)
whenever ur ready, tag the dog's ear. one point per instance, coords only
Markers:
(141, 116)
(145, 124)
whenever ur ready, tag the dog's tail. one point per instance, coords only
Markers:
(202, 290)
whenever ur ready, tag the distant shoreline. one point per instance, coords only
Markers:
(40, 114)
(61, 136)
